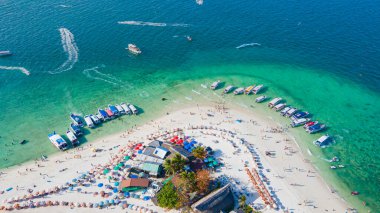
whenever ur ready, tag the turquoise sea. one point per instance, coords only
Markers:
(322, 56)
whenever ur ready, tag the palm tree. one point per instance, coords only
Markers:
(242, 201)
(174, 165)
(199, 152)
(189, 181)
(169, 167)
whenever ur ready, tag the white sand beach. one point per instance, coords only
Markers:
(295, 184)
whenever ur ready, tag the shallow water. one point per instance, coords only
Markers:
(328, 68)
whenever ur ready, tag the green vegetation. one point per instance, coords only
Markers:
(200, 152)
(168, 197)
(243, 205)
(188, 182)
(174, 165)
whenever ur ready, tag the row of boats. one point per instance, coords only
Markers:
(253, 89)
(91, 120)
(298, 117)
(301, 118)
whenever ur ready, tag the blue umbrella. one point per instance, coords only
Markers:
(101, 203)
(112, 202)
(71, 188)
(126, 194)
(74, 180)
(100, 184)
(140, 152)
(116, 183)
(107, 202)
(115, 190)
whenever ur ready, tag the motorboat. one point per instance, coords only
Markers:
(126, 108)
(335, 159)
(257, 89)
(133, 108)
(261, 99)
(22, 142)
(113, 109)
(299, 122)
(332, 167)
(283, 111)
(89, 122)
(103, 114)
(341, 166)
(228, 89)
(58, 141)
(323, 141)
(239, 91)
(215, 85)
(316, 128)
(120, 109)
(109, 113)
(249, 90)
(95, 119)
(76, 129)
(274, 102)
(189, 38)
(291, 112)
(279, 107)
(310, 123)
(73, 139)
(299, 115)
(5, 53)
(77, 120)
(99, 116)
(134, 49)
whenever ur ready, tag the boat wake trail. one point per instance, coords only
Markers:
(70, 48)
(153, 24)
(21, 69)
(95, 74)
(248, 45)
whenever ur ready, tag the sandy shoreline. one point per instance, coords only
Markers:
(294, 181)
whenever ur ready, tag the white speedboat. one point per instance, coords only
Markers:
(257, 89)
(95, 119)
(283, 111)
(71, 136)
(299, 122)
(126, 108)
(291, 112)
(261, 99)
(279, 107)
(120, 109)
(88, 121)
(274, 102)
(324, 141)
(228, 89)
(134, 49)
(239, 91)
(133, 108)
(5, 53)
(57, 141)
(215, 85)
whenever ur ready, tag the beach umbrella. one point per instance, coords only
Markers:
(96, 205)
(90, 205)
(115, 190)
(101, 203)
(78, 205)
(100, 185)
(84, 205)
(56, 203)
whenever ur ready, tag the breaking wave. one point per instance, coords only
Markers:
(70, 48)
(248, 45)
(21, 69)
(142, 23)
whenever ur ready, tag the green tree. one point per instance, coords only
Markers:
(200, 152)
(167, 197)
(203, 180)
(188, 182)
(243, 204)
(174, 165)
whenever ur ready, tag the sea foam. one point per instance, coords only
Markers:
(22, 69)
(153, 24)
(70, 48)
